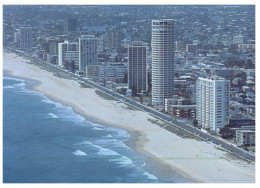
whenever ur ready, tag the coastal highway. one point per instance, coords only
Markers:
(190, 129)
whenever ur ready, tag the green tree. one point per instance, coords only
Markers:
(195, 122)
(225, 132)
(141, 100)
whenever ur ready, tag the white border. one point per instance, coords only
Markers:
(128, 2)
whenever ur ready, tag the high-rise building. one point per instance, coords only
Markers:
(87, 51)
(162, 61)
(62, 48)
(212, 102)
(26, 41)
(72, 61)
(100, 44)
(68, 56)
(53, 45)
(137, 67)
(70, 25)
(113, 39)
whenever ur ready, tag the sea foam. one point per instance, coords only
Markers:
(150, 176)
(108, 136)
(16, 79)
(113, 142)
(20, 85)
(103, 151)
(8, 87)
(98, 129)
(123, 161)
(119, 132)
(53, 115)
(96, 125)
(82, 143)
(65, 112)
(79, 153)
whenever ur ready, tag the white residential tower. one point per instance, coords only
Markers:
(162, 61)
(212, 100)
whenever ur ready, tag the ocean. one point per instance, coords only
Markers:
(45, 141)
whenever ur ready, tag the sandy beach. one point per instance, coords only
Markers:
(198, 160)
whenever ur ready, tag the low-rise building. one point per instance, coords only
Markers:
(226, 73)
(239, 120)
(183, 111)
(245, 138)
(176, 100)
(234, 130)
(112, 72)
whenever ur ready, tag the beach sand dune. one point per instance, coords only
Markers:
(199, 160)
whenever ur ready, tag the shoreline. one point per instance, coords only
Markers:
(148, 138)
(136, 141)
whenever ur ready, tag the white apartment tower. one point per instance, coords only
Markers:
(212, 100)
(162, 61)
(87, 51)
(137, 67)
(26, 41)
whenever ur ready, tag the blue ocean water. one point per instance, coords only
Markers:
(45, 141)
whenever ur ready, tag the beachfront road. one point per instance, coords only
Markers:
(190, 129)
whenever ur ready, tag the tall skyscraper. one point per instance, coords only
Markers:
(26, 41)
(87, 51)
(137, 67)
(212, 100)
(162, 61)
(70, 25)
(113, 39)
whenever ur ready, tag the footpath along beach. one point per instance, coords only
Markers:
(198, 160)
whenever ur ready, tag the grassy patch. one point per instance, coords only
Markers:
(131, 108)
(84, 85)
(108, 97)
(104, 95)
(174, 129)
(232, 156)
(59, 75)
(219, 148)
